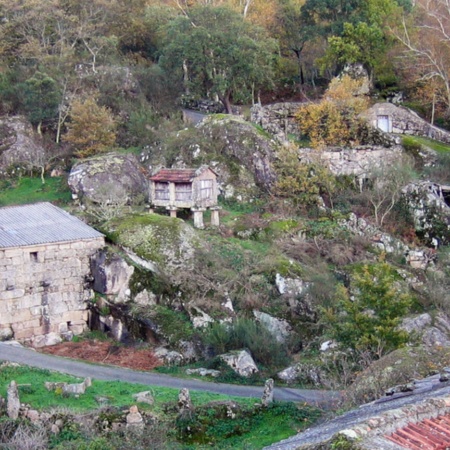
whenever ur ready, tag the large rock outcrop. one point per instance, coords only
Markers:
(158, 243)
(111, 178)
(238, 151)
(20, 146)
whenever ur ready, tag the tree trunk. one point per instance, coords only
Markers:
(226, 103)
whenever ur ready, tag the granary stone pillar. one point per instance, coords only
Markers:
(172, 211)
(198, 217)
(215, 220)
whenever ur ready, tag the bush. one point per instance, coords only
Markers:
(365, 317)
(249, 334)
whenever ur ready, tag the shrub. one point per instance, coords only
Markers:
(334, 120)
(247, 333)
(365, 317)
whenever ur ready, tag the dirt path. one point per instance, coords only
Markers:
(32, 358)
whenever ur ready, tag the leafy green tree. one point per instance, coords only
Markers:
(40, 98)
(92, 128)
(360, 43)
(216, 53)
(366, 315)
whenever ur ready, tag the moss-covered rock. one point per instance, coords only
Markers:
(111, 178)
(168, 243)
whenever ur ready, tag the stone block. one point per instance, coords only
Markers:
(13, 252)
(15, 293)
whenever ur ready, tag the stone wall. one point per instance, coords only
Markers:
(404, 121)
(44, 289)
(356, 161)
(277, 119)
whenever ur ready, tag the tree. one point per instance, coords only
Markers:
(40, 98)
(335, 119)
(217, 54)
(367, 314)
(92, 128)
(301, 182)
(361, 43)
(425, 36)
(385, 188)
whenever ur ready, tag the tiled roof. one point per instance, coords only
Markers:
(430, 434)
(175, 175)
(40, 223)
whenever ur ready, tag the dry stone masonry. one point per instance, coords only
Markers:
(44, 272)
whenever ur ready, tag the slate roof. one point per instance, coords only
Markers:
(40, 223)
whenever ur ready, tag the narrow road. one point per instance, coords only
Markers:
(32, 358)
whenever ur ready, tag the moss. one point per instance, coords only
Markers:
(155, 238)
(146, 280)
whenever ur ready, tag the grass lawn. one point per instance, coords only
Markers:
(254, 429)
(437, 146)
(31, 190)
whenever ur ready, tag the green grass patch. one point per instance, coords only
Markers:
(208, 426)
(32, 391)
(437, 146)
(31, 190)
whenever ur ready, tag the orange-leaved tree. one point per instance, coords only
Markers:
(92, 128)
(334, 121)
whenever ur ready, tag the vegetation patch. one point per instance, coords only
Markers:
(31, 190)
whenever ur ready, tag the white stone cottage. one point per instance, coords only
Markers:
(195, 189)
(44, 271)
(397, 119)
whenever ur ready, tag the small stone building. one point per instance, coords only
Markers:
(397, 119)
(44, 273)
(195, 189)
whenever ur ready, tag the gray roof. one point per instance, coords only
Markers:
(40, 223)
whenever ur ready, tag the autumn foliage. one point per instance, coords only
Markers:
(92, 128)
(334, 120)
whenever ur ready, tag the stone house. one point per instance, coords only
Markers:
(195, 189)
(44, 273)
(397, 119)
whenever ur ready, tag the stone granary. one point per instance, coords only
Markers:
(195, 189)
(44, 272)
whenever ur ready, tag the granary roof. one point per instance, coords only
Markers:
(179, 175)
(40, 223)
(175, 175)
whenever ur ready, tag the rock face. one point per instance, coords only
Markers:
(158, 243)
(13, 401)
(239, 152)
(279, 328)
(428, 204)
(277, 119)
(109, 179)
(111, 274)
(241, 362)
(19, 145)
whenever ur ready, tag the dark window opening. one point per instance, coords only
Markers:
(34, 256)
